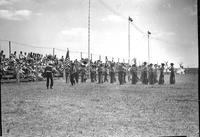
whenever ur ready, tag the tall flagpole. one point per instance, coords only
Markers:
(148, 48)
(89, 38)
(129, 20)
(128, 40)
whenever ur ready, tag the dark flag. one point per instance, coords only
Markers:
(149, 32)
(67, 59)
(130, 19)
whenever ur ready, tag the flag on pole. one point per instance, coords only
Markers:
(67, 59)
(149, 32)
(130, 19)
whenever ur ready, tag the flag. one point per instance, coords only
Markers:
(149, 32)
(130, 19)
(67, 59)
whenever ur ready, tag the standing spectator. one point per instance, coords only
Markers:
(172, 74)
(161, 78)
(21, 56)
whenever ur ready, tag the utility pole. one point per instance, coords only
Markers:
(89, 38)
(9, 49)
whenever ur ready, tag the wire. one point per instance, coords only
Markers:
(23, 44)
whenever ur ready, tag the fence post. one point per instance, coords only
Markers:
(118, 60)
(9, 49)
(81, 55)
(53, 52)
(100, 57)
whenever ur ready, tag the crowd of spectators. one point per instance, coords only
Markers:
(28, 66)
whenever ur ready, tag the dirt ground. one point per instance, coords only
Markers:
(101, 110)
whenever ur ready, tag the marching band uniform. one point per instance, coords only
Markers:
(133, 72)
(120, 74)
(144, 74)
(83, 73)
(155, 73)
(112, 73)
(124, 73)
(92, 73)
(76, 74)
(172, 74)
(72, 74)
(106, 73)
(151, 75)
(100, 72)
(161, 78)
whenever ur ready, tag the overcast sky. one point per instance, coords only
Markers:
(64, 24)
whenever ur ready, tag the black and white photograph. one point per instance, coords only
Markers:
(99, 68)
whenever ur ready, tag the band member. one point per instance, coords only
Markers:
(67, 72)
(112, 73)
(120, 74)
(124, 73)
(76, 73)
(151, 76)
(83, 73)
(92, 72)
(100, 73)
(172, 74)
(144, 74)
(133, 72)
(161, 78)
(155, 73)
(72, 73)
(106, 73)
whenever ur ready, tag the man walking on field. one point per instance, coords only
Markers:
(49, 70)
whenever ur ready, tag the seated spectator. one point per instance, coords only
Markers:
(21, 56)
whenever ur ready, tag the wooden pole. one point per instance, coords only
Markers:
(9, 49)
(81, 55)
(53, 52)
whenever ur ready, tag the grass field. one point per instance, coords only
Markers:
(101, 110)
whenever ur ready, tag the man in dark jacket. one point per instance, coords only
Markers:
(49, 70)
